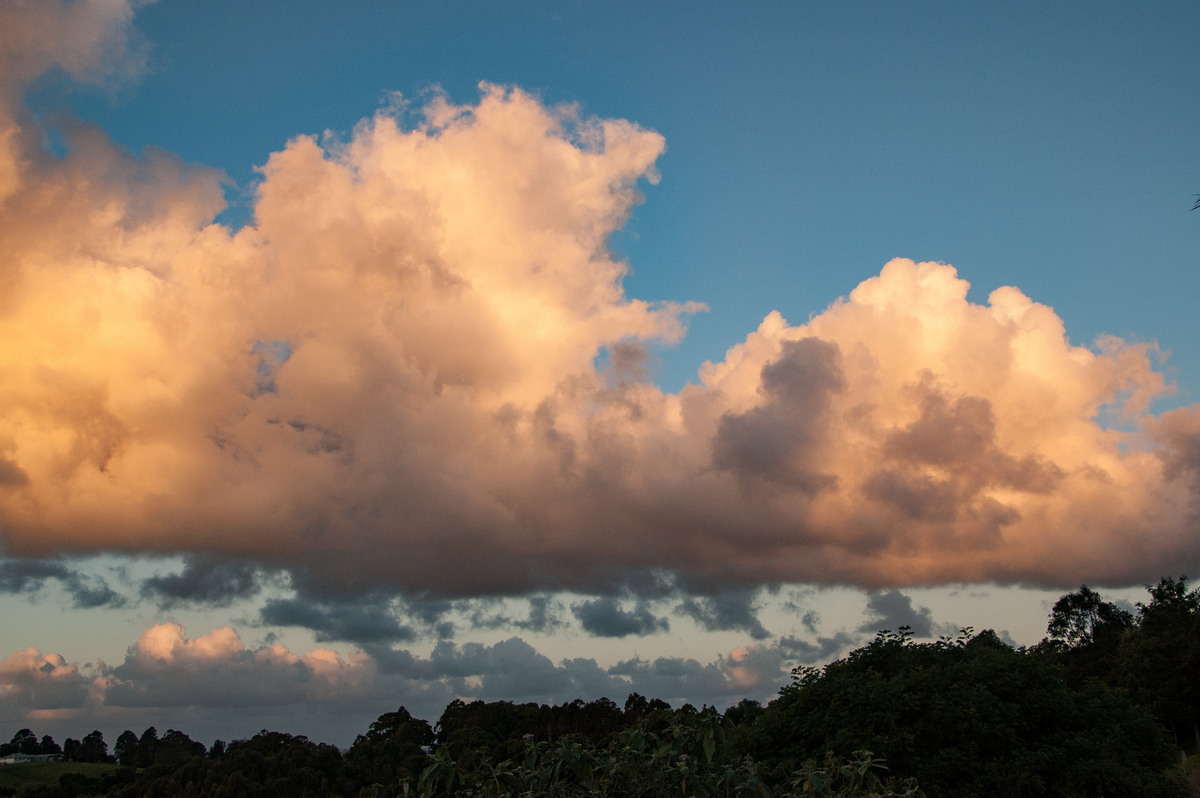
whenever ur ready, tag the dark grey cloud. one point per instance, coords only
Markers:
(731, 610)
(544, 614)
(362, 622)
(431, 615)
(205, 580)
(892, 609)
(25, 576)
(87, 591)
(823, 650)
(605, 617)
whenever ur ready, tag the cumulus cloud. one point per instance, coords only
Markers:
(388, 381)
(30, 679)
(167, 668)
(216, 678)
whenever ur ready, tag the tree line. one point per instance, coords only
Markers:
(1103, 706)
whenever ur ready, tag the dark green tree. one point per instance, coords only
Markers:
(1160, 663)
(48, 746)
(93, 748)
(393, 750)
(1082, 618)
(125, 750)
(970, 717)
(23, 742)
(147, 747)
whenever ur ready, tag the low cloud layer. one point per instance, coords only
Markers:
(387, 382)
(166, 671)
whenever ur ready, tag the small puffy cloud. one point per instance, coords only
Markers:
(726, 611)
(891, 609)
(30, 679)
(25, 576)
(543, 614)
(825, 648)
(362, 623)
(167, 668)
(605, 617)
(204, 580)
(87, 591)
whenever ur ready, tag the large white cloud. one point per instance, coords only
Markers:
(387, 380)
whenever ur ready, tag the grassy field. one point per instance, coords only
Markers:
(45, 774)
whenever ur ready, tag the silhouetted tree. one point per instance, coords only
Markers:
(393, 750)
(93, 749)
(125, 750)
(971, 716)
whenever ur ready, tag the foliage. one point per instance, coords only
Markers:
(969, 716)
(390, 753)
(1083, 617)
(1153, 657)
(687, 758)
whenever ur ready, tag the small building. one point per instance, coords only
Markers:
(20, 759)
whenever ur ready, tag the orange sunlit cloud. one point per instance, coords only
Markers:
(388, 379)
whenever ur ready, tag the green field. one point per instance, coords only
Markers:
(46, 774)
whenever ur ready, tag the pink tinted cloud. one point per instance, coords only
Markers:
(387, 380)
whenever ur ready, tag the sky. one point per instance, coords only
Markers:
(535, 351)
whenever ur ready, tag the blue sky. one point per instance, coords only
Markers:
(1050, 148)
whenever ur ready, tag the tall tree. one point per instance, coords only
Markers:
(971, 716)
(1160, 664)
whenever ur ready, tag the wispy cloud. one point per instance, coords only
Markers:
(87, 590)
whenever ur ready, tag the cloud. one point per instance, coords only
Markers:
(165, 668)
(730, 610)
(387, 382)
(23, 576)
(31, 679)
(216, 682)
(86, 590)
(356, 623)
(891, 609)
(823, 650)
(88, 39)
(544, 615)
(204, 580)
(605, 617)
